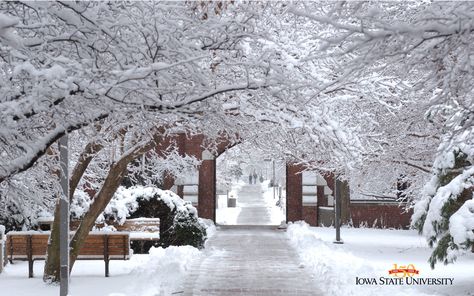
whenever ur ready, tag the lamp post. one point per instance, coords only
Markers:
(64, 217)
(273, 180)
(337, 210)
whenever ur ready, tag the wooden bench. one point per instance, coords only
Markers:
(146, 225)
(144, 233)
(139, 228)
(30, 246)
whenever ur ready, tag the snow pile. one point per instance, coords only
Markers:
(276, 208)
(224, 214)
(210, 227)
(334, 268)
(162, 272)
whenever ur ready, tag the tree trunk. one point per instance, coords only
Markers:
(52, 264)
(113, 180)
(90, 151)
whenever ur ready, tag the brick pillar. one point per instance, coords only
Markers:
(207, 187)
(310, 215)
(294, 193)
(321, 202)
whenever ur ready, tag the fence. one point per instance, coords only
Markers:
(380, 214)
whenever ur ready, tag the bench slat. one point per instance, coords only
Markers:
(94, 245)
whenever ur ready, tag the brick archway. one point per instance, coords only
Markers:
(194, 145)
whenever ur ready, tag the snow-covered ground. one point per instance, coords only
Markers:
(277, 213)
(370, 253)
(261, 198)
(225, 215)
(159, 273)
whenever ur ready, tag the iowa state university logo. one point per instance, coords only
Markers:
(403, 271)
(403, 275)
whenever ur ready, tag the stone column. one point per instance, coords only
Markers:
(294, 193)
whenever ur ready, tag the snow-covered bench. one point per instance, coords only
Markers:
(144, 232)
(139, 228)
(104, 245)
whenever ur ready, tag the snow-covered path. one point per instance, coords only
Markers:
(249, 260)
(254, 209)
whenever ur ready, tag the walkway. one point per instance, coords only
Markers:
(250, 258)
(254, 210)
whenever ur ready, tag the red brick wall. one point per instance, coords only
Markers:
(310, 215)
(193, 146)
(380, 215)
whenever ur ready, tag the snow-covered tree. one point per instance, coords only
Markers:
(137, 66)
(420, 53)
(445, 213)
(343, 87)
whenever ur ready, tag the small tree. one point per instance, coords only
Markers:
(444, 215)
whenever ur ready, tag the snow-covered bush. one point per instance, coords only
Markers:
(179, 222)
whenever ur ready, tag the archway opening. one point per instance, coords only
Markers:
(250, 188)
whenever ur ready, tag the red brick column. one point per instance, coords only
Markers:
(310, 215)
(322, 202)
(294, 193)
(207, 189)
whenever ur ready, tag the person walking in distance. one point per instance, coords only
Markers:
(255, 177)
